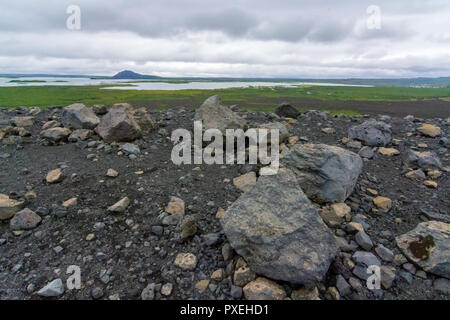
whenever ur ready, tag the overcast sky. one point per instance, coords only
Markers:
(245, 38)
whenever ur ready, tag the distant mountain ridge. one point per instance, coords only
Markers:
(127, 74)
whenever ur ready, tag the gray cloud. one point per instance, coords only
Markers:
(233, 21)
(236, 37)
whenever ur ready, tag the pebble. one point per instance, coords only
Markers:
(167, 289)
(175, 206)
(120, 206)
(442, 285)
(384, 253)
(54, 176)
(52, 289)
(96, 293)
(430, 184)
(149, 292)
(387, 275)
(245, 182)
(90, 237)
(263, 289)
(186, 261)
(236, 292)
(383, 203)
(25, 220)
(112, 173)
(242, 276)
(343, 286)
(364, 240)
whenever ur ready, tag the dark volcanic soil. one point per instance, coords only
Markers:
(133, 256)
(433, 108)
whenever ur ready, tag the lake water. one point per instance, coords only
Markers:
(202, 85)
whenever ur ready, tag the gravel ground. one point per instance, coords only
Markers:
(133, 249)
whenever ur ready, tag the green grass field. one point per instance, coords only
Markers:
(250, 98)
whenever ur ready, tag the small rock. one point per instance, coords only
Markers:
(175, 206)
(442, 285)
(202, 285)
(53, 289)
(242, 276)
(332, 294)
(364, 240)
(188, 228)
(429, 130)
(245, 182)
(366, 152)
(120, 206)
(227, 252)
(8, 207)
(264, 289)
(149, 292)
(293, 140)
(30, 195)
(415, 174)
(342, 210)
(430, 184)
(90, 237)
(130, 148)
(96, 293)
(388, 151)
(186, 261)
(220, 213)
(218, 275)
(166, 289)
(387, 275)
(80, 134)
(54, 176)
(25, 220)
(72, 202)
(305, 294)
(384, 253)
(383, 203)
(343, 286)
(112, 173)
(328, 130)
(236, 292)
(55, 134)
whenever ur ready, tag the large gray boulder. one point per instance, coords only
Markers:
(118, 125)
(372, 133)
(216, 116)
(428, 246)
(278, 232)
(78, 116)
(325, 173)
(424, 160)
